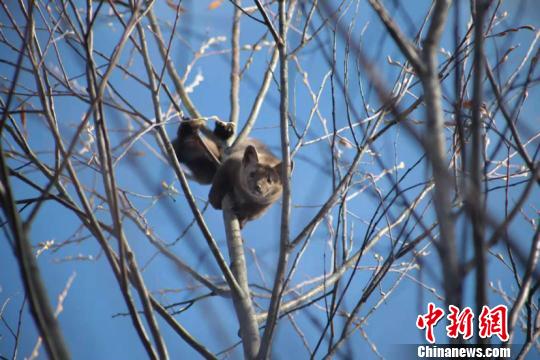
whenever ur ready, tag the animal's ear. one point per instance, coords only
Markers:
(250, 156)
(277, 168)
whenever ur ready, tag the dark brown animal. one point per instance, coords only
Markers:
(249, 173)
(200, 154)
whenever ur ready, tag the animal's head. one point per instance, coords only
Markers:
(262, 181)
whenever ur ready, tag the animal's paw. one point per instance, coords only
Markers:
(224, 130)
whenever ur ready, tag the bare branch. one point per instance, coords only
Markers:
(249, 330)
(408, 49)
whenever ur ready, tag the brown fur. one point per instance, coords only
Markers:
(191, 152)
(251, 175)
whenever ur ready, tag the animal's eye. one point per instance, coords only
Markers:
(269, 179)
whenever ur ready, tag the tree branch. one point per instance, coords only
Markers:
(249, 330)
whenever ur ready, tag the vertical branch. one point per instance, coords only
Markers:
(47, 103)
(249, 330)
(458, 100)
(235, 65)
(261, 95)
(436, 150)
(37, 294)
(177, 81)
(475, 198)
(284, 244)
(525, 289)
(59, 308)
(109, 180)
(40, 306)
(245, 313)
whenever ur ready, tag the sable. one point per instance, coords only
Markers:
(249, 172)
(251, 175)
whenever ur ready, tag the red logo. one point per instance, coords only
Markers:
(460, 322)
(492, 321)
(429, 320)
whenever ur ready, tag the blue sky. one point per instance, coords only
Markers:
(87, 321)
